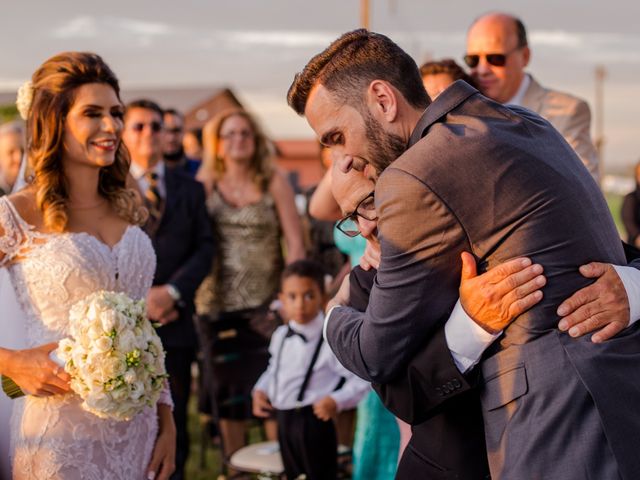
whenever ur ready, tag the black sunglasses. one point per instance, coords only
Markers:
(495, 59)
(365, 209)
(155, 127)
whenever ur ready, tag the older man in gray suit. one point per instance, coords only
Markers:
(501, 183)
(497, 54)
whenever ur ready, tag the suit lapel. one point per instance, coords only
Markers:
(533, 97)
(453, 96)
(172, 187)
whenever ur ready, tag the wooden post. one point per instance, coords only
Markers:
(364, 14)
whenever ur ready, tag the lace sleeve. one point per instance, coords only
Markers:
(165, 395)
(13, 237)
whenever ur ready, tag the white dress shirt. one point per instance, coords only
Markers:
(467, 341)
(522, 89)
(286, 371)
(138, 173)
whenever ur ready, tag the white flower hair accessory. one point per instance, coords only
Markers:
(25, 97)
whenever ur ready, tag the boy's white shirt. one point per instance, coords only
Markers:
(294, 362)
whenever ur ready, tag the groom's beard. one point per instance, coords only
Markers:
(384, 147)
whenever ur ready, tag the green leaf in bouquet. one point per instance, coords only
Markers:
(11, 388)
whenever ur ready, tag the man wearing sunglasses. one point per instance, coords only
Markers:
(181, 235)
(465, 173)
(497, 54)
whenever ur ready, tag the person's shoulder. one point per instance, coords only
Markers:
(278, 180)
(278, 332)
(25, 203)
(552, 98)
(189, 183)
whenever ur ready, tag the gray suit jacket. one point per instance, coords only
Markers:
(569, 115)
(501, 182)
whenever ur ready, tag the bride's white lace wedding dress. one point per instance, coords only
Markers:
(53, 437)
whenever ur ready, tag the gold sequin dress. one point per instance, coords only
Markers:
(231, 302)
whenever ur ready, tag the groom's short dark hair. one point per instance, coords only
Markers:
(351, 63)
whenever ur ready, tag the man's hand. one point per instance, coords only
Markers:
(371, 257)
(602, 306)
(261, 405)
(342, 297)
(168, 317)
(159, 303)
(325, 408)
(495, 298)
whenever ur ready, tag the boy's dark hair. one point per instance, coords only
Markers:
(351, 63)
(305, 269)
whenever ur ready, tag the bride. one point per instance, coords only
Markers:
(71, 231)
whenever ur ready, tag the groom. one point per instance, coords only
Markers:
(470, 174)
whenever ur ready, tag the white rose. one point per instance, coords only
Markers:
(109, 320)
(127, 341)
(65, 349)
(92, 313)
(120, 394)
(95, 331)
(136, 390)
(130, 376)
(102, 344)
(113, 366)
(97, 402)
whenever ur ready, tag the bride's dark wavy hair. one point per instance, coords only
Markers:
(55, 84)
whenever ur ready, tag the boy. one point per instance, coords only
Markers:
(304, 383)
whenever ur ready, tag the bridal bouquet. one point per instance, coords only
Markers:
(115, 357)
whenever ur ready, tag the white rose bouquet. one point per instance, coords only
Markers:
(115, 357)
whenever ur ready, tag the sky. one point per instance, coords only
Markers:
(256, 46)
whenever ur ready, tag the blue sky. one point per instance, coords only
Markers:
(256, 46)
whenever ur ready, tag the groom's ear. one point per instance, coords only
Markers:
(382, 101)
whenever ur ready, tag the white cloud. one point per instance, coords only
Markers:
(83, 26)
(279, 38)
(140, 27)
(86, 26)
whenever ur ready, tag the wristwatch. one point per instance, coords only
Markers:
(173, 292)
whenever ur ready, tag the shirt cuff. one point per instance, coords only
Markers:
(466, 340)
(326, 321)
(631, 281)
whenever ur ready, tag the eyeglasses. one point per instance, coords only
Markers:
(243, 134)
(365, 209)
(139, 127)
(495, 59)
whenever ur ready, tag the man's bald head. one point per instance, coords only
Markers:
(503, 36)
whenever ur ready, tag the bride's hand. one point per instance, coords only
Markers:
(34, 372)
(163, 459)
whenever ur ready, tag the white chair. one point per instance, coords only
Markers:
(264, 459)
(261, 458)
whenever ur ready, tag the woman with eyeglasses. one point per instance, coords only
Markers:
(252, 210)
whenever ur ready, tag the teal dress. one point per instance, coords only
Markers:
(377, 438)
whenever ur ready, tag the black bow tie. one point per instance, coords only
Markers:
(291, 332)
